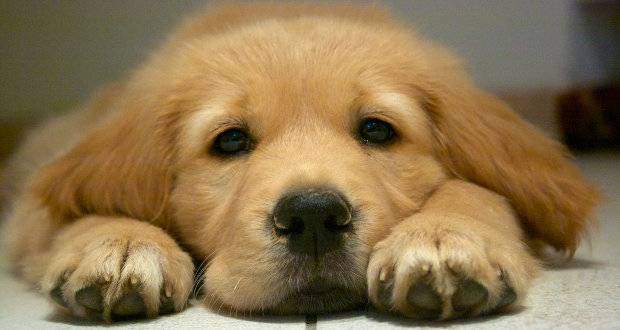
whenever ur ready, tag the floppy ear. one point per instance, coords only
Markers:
(120, 168)
(483, 141)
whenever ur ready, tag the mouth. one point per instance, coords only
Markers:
(332, 282)
(317, 298)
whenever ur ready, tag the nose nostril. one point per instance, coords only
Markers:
(297, 226)
(333, 224)
(294, 226)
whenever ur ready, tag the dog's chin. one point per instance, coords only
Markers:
(318, 300)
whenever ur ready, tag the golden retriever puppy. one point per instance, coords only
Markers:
(308, 159)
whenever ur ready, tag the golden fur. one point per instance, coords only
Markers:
(467, 185)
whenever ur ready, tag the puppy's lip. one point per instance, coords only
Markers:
(317, 297)
(318, 288)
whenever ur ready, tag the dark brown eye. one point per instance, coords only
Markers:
(375, 131)
(232, 142)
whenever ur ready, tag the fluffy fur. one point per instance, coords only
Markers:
(117, 195)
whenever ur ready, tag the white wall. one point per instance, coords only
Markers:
(507, 44)
(53, 53)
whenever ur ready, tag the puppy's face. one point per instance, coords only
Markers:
(298, 156)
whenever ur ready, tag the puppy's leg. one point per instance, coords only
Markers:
(462, 255)
(115, 268)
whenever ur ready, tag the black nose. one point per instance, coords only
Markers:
(313, 220)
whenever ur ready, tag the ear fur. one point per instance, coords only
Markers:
(121, 168)
(483, 141)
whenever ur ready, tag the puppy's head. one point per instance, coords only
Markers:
(304, 153)
(282, 150)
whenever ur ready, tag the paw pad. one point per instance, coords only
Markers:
(129, 305)
(425, 300)
(90, 297)
(470, 294)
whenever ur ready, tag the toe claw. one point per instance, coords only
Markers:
(130, 305)
(469, 294)
(425, 300)
(90, 297)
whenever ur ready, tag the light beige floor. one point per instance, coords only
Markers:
(584, 294)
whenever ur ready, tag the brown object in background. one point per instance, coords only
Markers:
(590, 118)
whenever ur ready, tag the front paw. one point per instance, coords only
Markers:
(125, 270)
(442, 271)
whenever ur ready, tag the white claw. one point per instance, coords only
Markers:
(383, 274)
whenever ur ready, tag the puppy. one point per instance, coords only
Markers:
(307, 159)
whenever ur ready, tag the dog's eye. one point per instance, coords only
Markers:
(231, 142)
(375, 131)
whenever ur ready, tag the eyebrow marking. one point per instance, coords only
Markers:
(199, 125)
(403, 111)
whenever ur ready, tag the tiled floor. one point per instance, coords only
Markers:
(584, 294)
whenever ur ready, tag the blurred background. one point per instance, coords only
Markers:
(530, 52)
